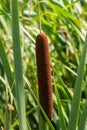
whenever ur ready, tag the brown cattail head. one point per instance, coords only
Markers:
(44, 74)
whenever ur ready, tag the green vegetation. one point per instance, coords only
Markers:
(64, 22)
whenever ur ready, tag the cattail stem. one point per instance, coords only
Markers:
(44, 74)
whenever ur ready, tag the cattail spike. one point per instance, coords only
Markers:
(44, 74)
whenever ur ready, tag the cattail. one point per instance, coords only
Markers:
(44, 74)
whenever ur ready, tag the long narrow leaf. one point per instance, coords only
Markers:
(6, 64)
(59, 106)
(18, 67)
(83, 118)
(77, 91)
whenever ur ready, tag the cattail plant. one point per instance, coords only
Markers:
(44, 74)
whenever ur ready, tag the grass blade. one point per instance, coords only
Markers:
(83, 118)
(64, 87)
(6, 64)
(77, 91)
(59, 106)
(18, 67)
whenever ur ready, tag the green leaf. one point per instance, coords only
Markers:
(77, 91)
(6, 64)
(20, 95)
(60, 112)
(83, 119)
